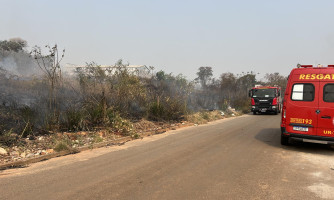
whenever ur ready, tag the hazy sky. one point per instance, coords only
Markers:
(179, 36)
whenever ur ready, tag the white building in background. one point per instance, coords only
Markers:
(139, 70)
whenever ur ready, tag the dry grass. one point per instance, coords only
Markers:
(144, 125)
(204, 117)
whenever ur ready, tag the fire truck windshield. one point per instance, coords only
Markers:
(264, 93)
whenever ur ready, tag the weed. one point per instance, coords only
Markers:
(95, 113)
(195, 118)
(120, 124)
(96, 138)
(75, 120)
(61, 146)
(28, 114)
(136, 136)
(62, 143)
(157, 111)
(80, 140)
(205, 115)
(167, 108)
(224, 105)
(8, 138)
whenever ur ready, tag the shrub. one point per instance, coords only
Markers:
(156, 111)
(167, 108)
(242, 104)
(75, 120)
(95, 114)
(119, 124)
(205, 115)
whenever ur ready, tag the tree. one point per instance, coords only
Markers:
(276, 79)
(204, 75)
(234, 89)
(14, 44)
(228, 81)
(228, 86)
(160, 75)
(246, 81)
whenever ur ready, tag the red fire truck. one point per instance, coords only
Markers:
(308, 106)
(265, 99)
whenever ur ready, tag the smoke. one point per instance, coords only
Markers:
(18, 63)
(17, 69)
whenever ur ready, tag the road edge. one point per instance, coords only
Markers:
(25, 163)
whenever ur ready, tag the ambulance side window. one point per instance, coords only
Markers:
(329, 93)
(302, 92)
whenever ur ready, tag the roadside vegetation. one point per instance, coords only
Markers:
(37, 99)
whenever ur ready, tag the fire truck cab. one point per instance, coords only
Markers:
(265, 99)
(308, 105)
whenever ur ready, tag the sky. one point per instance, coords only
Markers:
(179, 36)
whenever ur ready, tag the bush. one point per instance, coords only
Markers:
(95, 114)
(242, 104)
(75, 120)
(167, 109)
(156, 111)
(205, 115)
(119, 124)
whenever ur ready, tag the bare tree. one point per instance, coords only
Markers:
(50, 65)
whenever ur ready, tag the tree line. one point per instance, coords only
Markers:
(231, 90)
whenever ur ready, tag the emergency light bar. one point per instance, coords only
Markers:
(305, 66)
(308, 66)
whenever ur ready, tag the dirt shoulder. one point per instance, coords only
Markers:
(35, 149)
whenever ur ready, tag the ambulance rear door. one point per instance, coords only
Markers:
(326, 104)
(303, 104)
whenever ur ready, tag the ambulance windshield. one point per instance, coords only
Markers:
(264, 93)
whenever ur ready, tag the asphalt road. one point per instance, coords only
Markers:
(235, 158)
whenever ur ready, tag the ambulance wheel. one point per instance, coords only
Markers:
(284, 140)
(254, 113)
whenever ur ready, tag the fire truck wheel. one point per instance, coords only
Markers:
(275, 112)
(284, 140)
(254, 113)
